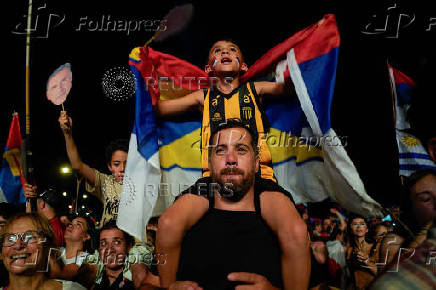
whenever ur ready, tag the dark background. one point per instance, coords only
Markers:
(361, 109)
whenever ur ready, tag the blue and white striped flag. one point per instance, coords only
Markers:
(411, 154)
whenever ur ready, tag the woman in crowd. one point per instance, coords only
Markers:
(361, 255)
(80, 242)
(27, 240)
(416, 217)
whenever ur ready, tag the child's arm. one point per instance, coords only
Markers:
(66, 125)
(176, 106)
(274, 89)
(282, 217)
(185, 212)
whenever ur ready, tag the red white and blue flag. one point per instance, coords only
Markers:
(11, 175)
(308, 158)
(412, 155)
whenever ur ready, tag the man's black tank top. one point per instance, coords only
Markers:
(223, 242)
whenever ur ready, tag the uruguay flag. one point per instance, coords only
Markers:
(11, 176)
(142, 177)
(412, 155)
(308, 158)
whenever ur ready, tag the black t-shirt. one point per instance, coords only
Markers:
(119, 283)
(223, 242)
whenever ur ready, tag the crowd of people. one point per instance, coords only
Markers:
(235, 228)
(346, 251)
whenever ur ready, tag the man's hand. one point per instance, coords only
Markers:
(253, 281)
(185, 285)
(139, 274)
(65, 122)
(29, 191)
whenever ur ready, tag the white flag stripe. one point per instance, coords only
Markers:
(140, 191)
(412, 155)
(345, 184)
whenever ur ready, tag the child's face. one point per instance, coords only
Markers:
(118, 165)
(225, 56)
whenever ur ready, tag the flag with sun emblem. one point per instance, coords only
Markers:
(411, 153)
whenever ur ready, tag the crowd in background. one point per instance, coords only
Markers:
(348, 251)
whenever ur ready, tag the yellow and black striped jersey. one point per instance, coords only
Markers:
(242, 103)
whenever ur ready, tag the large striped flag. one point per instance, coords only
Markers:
(308, 158)
(412, 155)
(142, 175)
(11, 175)
(312, 163)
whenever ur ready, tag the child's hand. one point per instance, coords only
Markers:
(65, 122)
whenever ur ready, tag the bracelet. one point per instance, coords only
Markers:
(366, 260)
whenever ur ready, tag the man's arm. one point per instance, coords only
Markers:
(192, 101)
(173, 224)
(283, 219)
(66, 125)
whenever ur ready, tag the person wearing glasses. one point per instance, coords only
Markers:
(361, 255)
(27, 240)
(6, 211)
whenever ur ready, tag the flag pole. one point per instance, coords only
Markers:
(393, 93)
(29, 22)
(29, 168)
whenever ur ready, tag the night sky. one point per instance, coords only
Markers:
(361, 108)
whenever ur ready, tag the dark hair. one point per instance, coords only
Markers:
(8, 209)
(417, 176)
(226, 39)
(112, 224)
(336, 231)
(351, 217)
(118, 144)
(235, 123)
(90, 245)
(153, 220)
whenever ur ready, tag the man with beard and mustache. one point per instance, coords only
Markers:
(247, 236)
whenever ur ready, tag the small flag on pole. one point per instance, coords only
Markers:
(411, 153)
(11, 175)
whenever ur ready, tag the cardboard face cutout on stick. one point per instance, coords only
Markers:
(59, 84)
